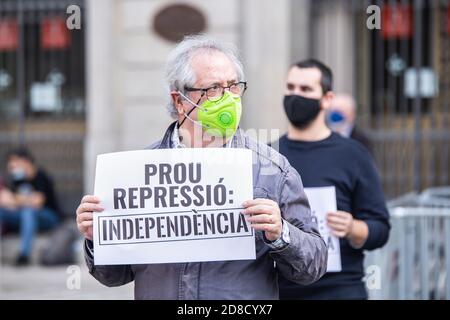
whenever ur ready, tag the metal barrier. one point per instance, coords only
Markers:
(415, 264)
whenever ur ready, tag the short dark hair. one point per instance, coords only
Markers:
(20, 152)
(326, 79)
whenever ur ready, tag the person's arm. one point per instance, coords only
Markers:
(7, 199)
(109, 275)
(35, 199)
(304, 259)
(42, 189)
(369, 205)
(358, 233)
(343, 225)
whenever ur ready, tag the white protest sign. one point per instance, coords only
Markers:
(323, 200)
(173, 205)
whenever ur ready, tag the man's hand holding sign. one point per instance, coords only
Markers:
(85, 213)
(164, 209)
(264, 215)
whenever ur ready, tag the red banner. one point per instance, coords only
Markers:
(396, 21)
(9, 35)
(54, 33)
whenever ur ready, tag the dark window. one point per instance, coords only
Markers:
(49, 79)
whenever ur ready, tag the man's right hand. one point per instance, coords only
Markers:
(85, 211)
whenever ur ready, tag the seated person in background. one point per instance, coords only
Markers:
(27, 200)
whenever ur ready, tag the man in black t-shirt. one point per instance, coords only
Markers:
(27, 201)
(324, 159)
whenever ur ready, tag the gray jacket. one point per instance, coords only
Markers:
(303, 261)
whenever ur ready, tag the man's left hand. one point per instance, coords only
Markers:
(265, 215)
(340, 223)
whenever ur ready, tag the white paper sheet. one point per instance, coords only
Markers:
(323, 200)
(167, 206)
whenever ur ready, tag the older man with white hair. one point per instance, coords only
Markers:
(206, 82)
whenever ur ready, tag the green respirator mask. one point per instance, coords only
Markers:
(219, 118)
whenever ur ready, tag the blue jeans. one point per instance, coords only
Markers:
(28, 221)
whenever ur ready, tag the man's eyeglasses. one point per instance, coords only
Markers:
(215, 93)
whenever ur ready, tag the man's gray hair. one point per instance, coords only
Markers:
(179, 72)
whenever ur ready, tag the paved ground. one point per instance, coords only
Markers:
(65, 282)
(37, 282)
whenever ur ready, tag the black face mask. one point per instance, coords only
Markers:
(301, 111)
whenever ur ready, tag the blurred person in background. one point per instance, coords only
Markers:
(341, 118)
(324, 158)
(27, 201)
